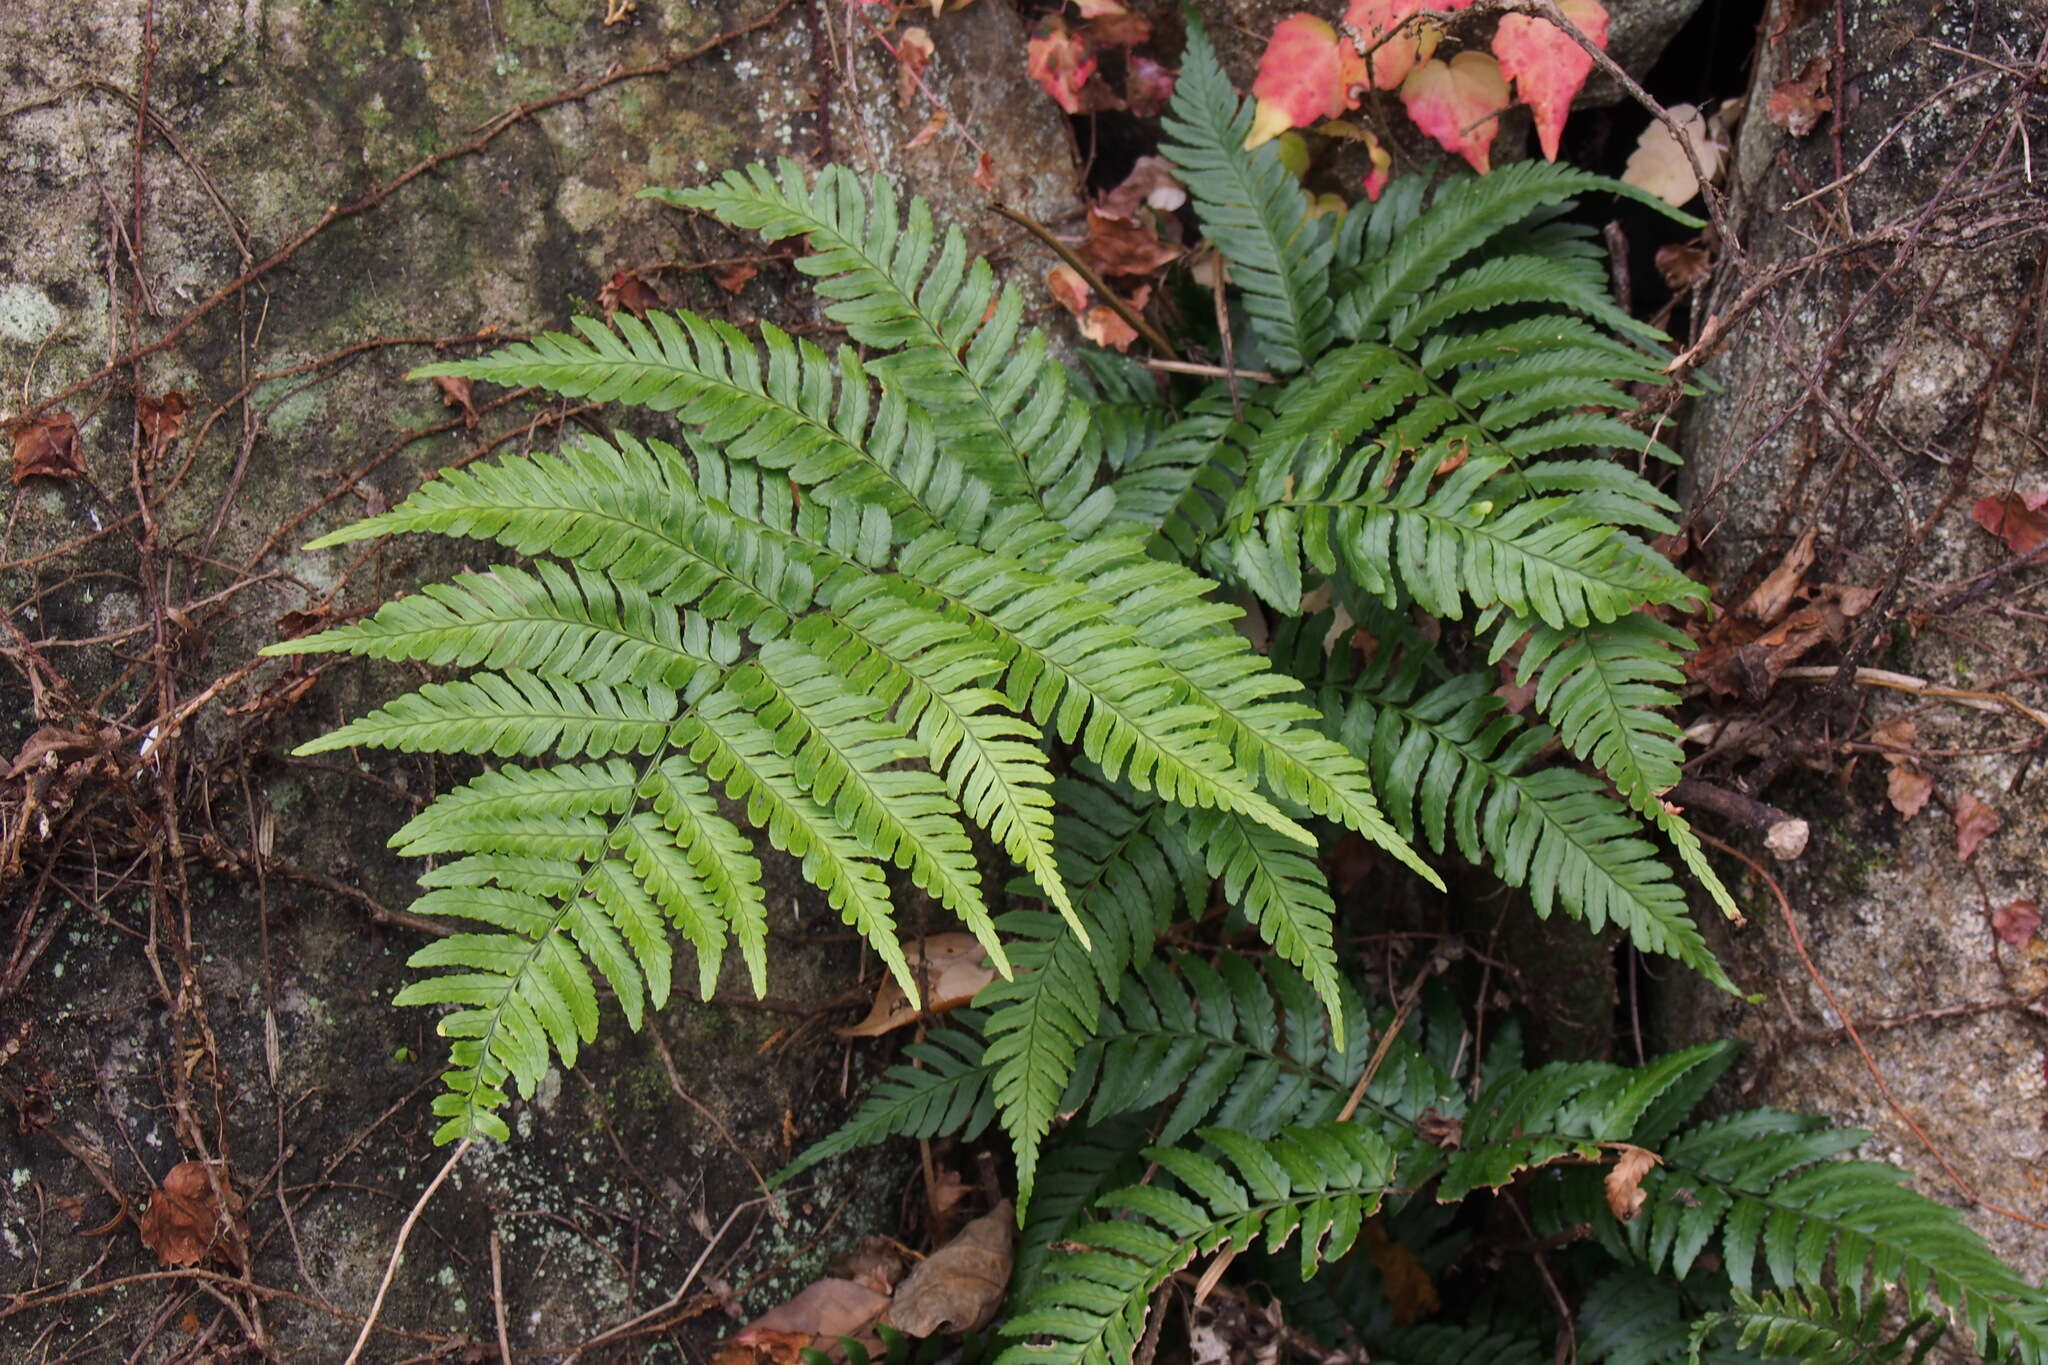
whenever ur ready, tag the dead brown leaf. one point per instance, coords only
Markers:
(1150, 185)
(825, 1311)
(1797, 104)
(1625, 1181)
(1899, 733)
(183, 1223)
(1975, 822)
(734, 277)
(949, 967)
(1402, 1278)
(2017, 921)
(456, 393)
(1125, 246)
(959, 1287)
(1773, 597)
(1683, 267)
(162, 419)
(1908, 789)
(873, 1261)
(47, 447)
(628, 291)
(2019, 519)
(913, 54)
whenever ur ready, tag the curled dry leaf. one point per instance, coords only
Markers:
(1308, 73)
(1151, 184)
(2017, 921)
(1658, 165)
(1125, 246)
(1456, 102)
(952, 967)
(628, 291)
(1975, 822)
(1098, 322)
(1625, 1181)
(1908, 789)
(183, 1223)
(1683, 267)
(163, 419)
(1772, 598)
(47, 447)
(825, 1311)
(455, 393)
(959, 1287)
(2019, 519)
(913, 54)
(1797, 105)
(1547, 65)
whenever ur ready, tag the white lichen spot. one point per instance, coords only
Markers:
(26, 313)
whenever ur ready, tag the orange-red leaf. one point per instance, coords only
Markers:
(1547, 66)
(2019, 519)
(1394, 41)
(1310, 72)
(1061, 61)
(1458, 103)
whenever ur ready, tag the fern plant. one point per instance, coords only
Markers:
(861, 604)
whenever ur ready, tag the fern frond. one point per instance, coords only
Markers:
(1317, 1185)
(954, 343)
(1252, 208)
(1129, 873)
(1281, 891)
(1454, 756)
(1819, 1329)
(942, 1090)
(510, 714)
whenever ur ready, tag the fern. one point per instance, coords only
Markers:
(1815, 1328)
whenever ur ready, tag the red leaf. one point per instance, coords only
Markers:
(2017, 518)
(734, 277)
(1975, 822)
(1389, 59)
(1061, 61)
(1547, 66)
(2017, 921)
(627, 291)
(1456, 103)
(1147, 86)
(48, 446)
(1309, 73)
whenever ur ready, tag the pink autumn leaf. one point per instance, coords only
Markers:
(1458, 103)
(1061, 61)
(1392, 41)
(1148, 86)
(1310, 72)
(1546, 65)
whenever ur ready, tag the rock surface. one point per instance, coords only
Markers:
(1888, 380)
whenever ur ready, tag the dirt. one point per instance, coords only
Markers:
(281, 1053)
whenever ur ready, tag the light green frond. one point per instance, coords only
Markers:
(512, 714)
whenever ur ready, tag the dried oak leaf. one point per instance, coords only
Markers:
(2019, 519)
(1547, 65)
(47, 446)
(949, 967)
(2017, 921)
(1796, 105)
(1451, 101)
(1975, 822)
(1309, 72)
(1908, 789)
(958, 1288)
(183, 1223)
(1625, 1181)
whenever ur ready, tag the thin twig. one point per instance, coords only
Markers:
(498, 1296)
(1438, 961)
(1152, 334)
(1906, 682)
(398, 1250)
